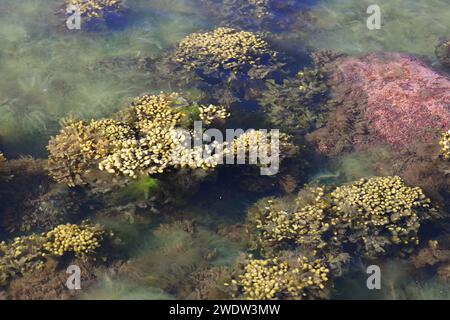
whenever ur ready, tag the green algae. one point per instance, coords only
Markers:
(406, 26)
(54, 74)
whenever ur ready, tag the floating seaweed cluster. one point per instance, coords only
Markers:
(364, 143)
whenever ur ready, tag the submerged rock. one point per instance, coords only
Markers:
(391, 98)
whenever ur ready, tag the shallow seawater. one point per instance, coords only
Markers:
(54, 74)
(407, 26)
(185, 235)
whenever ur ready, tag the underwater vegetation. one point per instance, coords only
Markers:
(434, 255)
(445, 145)
(173, 259)
(285, 277)
(144, 142)
(54, 74)
(298, 104)
(402, 101)
(96, 9)
(388, 100)
(31, 94)
(247, 14)
(443, 52)
(223, 48)
(227, 64)
(407, 26)
(272, 222)
(385, 203)
(321, 228)
(364, 144)
(283, 22)
(92, 15)
(82, 240)
(208, 114)
(29, 253)
(20, 257)
(369, 214)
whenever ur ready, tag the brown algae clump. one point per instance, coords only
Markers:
(143, 142)
(256, 141)
(208, 114)
(26, 254)
(379, 212)
(154, 118)
(280, 223)
(79, 144)
(298, 104)
(158, 144)
(445, 145)
(82, 240)
(367, 216)
(153, 135)
(287, 277)
(307, 239)
(20, 257)
(223, 48)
